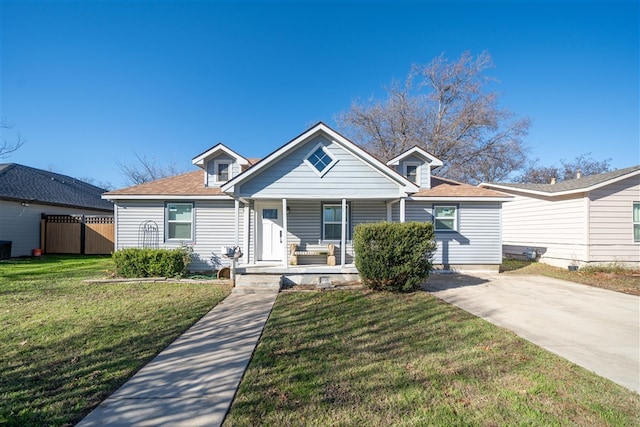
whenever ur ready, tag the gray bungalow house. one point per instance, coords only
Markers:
(300, 204)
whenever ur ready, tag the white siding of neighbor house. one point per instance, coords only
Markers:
(291, 177)
(611, 222)
(214, 227)
(21, 224)
(477, 241)
(555, 227)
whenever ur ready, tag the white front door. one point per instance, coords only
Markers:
(271, 233)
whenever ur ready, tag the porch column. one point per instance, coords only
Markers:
(343, 238)
(245, 234)
(237, 221)
(285, 232)
(401, 210)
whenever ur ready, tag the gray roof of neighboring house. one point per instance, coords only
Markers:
(27, 184)
(571, 185)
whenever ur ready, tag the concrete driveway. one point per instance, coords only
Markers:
(594, 328)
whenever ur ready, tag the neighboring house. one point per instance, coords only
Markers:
(26, 193)
(592, 219)
(310, 192)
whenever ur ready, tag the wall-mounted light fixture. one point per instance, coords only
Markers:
(25, 204)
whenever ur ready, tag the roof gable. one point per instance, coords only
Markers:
(201, 159)
(571, 186)
(24, 183)
(419, 152)
(334, 137)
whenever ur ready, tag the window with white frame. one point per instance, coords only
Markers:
(179, 221)
(412, 172)
(320, 159)
(445, 218)
(636, 222)
(332, 222)
(222, 171)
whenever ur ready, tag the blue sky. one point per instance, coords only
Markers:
(91, 83)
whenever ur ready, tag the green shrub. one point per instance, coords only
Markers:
(134, 262)
(394, 256)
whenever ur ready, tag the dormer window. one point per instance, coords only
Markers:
(320, 160)
(411, 172)
(222, 171)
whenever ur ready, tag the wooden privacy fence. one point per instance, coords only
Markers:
(77, 234)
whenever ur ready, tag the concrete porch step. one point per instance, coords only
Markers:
(257, 283)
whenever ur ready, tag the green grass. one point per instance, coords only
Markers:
(613, 276)
(66, 345)
(371, 359)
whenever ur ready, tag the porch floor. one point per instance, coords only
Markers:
(278, 268)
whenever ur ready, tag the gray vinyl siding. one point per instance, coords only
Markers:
(214, 227)
(611, 222)
(477, 240)
(291, 177)
(21, 224)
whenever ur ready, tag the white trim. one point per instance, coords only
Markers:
(460, 199)
(343, 237)
(407, 186)
(326, 151)
(192, 222)
(245, 233)
(201, 159)
(285, 230)
(116, 197)
(455, 218)
(236, 212)
(433, 161)
(402, 210)
(559, 193)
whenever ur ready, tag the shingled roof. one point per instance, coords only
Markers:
(585, 183)
(188, 184)
(31, 185)
(441, 187)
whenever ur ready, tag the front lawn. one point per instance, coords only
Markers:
(66, 345)
(372, 359)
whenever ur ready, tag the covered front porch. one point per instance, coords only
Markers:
(305, 236)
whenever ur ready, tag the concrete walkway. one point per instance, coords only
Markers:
(594, 328)
(194, 380)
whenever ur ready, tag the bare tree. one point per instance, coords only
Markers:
(147, 170)
(583, 165)
(444, 108)
(7, 147)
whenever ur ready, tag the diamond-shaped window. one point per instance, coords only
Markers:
(320, 159)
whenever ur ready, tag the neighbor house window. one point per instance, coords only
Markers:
(320, 160)
(179, 221)
(445, 218)
(411, 172)
(223, 171)
(332, 222)
(636, 222)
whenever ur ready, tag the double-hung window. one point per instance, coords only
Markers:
(445, 218)
(222, 171)
(332, 222)
(412, 171)
(179, 221)
(636, 222)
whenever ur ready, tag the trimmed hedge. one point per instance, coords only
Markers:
(394, 256)
(135, 262)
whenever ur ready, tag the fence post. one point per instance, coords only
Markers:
(43, 232)
(83, 235)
